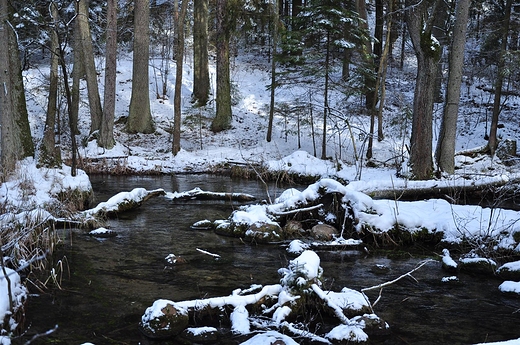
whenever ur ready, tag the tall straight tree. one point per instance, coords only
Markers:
(15, 134)
(140, 116)
(223, 116)
(201, 82)
(499, 82)
(50, 154)
(427, 50)
(445, 151)
(106, 135)
(87, 60)
(179, 58)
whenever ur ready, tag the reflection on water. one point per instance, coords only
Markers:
(112, 281)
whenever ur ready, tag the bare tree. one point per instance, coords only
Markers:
(87, 60)
(179, 57)
(49, 152)
(499, 82)
(201, 82)
(106, 135)
(445, 151)
(140, 117)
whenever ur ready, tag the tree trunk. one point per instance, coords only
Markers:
(493, 141)
(15, 139)
(367, 56)
(77, 72)
(179, 58)
(273, 71)
(326, 99)
(49, 153)
(106, 135)
(427, 52)
(140, 117)
(87, 54)
(201, 82)
(222, 120)
(445, 151)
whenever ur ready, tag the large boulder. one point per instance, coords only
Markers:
(164, 319)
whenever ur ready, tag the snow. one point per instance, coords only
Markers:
(508, 342)
(510, 286)
(18, 294)
(269, 338)
(30, 189)
(447, 260)
(308, 264)
(510, 266)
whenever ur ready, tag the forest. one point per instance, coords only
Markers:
(378, 104)
(339, 52)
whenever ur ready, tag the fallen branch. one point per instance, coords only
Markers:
(304, 209)
(382, 285)
(208, 253)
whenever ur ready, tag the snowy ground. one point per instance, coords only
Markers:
(245, 143)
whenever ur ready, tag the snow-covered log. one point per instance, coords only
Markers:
(122, 202)
(199, 194)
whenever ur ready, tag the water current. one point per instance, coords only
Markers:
(106, 284)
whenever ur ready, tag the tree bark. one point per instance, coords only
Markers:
(15, 138)
(427, 52)
(106, 135)
(179, 58)
(445, 151)
(201, 82)
(499, 83)
(222, 120)
(87, 54)
(49, 153)
(140, 117)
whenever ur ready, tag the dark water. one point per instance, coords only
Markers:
(107, 284)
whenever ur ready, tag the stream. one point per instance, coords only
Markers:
(105, 285)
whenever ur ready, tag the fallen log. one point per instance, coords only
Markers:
(199, 194)
(122, 202)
